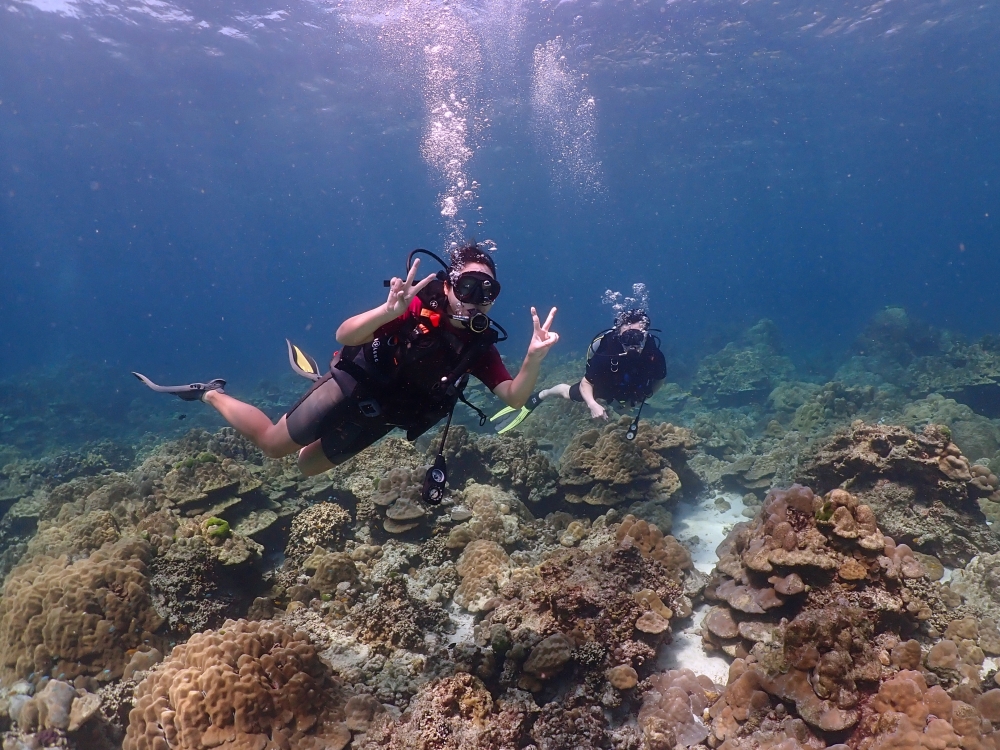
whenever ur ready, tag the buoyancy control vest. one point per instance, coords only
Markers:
(618, 374)
(413, 376)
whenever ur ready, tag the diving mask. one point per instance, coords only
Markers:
(476, 287)
(633, 339)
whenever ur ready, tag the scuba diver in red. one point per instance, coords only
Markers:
(624, 363)
(403, 364)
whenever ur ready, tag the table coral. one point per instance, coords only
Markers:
(247, 686)
(65, 619)
(920, 486)
(602, 467)
(399, 498)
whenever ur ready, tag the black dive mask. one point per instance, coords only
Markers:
(633, 339)
(477, 322)
(476, 288)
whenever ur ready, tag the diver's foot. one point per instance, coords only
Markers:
(189, 392)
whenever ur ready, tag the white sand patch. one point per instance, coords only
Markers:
(464, 623)
(701, 527)
(991, 663)
(686, 652)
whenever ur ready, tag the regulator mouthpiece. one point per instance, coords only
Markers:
(477, 322)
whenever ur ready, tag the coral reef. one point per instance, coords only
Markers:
(819, 609)
(586, 610)
(744, 372)
(454, 713)
(922, 489)
(602, 467)
(510, 461)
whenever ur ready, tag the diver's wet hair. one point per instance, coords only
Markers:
(635, 315)
(471, 252)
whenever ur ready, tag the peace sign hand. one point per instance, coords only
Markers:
(542, 339)
(402, 292)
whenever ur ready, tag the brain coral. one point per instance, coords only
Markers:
(247, 686)
(601, 467)
(64, 619)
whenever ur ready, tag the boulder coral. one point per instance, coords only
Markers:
(602, 467)
(246, 686)
(65, 619)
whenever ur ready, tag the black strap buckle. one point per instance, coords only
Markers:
(370, 408)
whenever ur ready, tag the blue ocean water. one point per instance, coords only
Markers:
(182, 185)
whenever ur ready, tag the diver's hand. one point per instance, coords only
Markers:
(597, 411)
(402, 292)
(542, 339)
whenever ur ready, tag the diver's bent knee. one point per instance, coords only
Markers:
(272, 452)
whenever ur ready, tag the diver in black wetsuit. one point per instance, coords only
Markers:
(624, 364)
(403, 364)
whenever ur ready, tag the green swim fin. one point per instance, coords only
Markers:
(509, 417)
(302, 363)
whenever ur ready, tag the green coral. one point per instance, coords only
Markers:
(192, 461)
(217, 527)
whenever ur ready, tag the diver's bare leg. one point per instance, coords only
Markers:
(557, 390)
(313, 461)
(253, 424)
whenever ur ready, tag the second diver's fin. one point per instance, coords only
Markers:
(509, 417)
(190, 392)
(302, 363)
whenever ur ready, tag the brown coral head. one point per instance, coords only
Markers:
(623, 677)
(955, 467)
(652, 623)
(796, 497)
(789, 585)
(549, 657)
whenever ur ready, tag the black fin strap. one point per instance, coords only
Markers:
(483, 419)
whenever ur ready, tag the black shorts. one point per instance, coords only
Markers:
(327, 413)
(575, 395)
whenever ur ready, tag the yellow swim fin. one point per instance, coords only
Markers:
(509, 417)
(302, 363)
